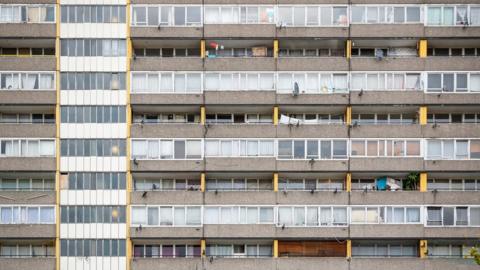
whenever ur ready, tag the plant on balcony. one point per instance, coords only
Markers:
(411, 182)
(475, 254)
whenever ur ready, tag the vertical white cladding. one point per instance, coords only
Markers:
(97, 164)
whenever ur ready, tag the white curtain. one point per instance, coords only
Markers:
(153, 149)
(212, 148)
(194, 83)
(179, 216)
(166, 216)
(139, 148)
(212, 15)
(46, 81)
(193, 216)
(194, 149)
(340, 215)
(166, 149)
(166, 82)
(474, 15)
(266, 148)
(285, 216)
(211, 215)
(47, 148)
(139, 215)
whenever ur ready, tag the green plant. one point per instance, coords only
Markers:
(412, 181)
(475, 254)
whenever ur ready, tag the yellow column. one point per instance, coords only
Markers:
(348, 49)
(275, 182)
(348, 182)
(57, 137)
(423, 182)
(423, 115)
(275, 115)
(422, 48)
(349, 248)
(423, 249)
(275, 48)
(202, 48)
(129, 183)
(203, 248)
(275, 248)
(348, 115)
(202, 182)
(203, 115)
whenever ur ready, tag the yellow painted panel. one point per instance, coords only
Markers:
(203, 247)
(202, 182)
(348, 182)
(275, 182)
(423, 182)
(422, 48)
(423, 115)
(202, 48)
(275, 48)
(349, 248)
(348, 115)
(275, 248)
(275, 115)
(203, 115)
(423, 249)
(348, 49)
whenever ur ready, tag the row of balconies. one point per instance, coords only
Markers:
(305, 263)
(179, 197)
(261, 31)
(264, 98)
(267, 131)
(47, 63)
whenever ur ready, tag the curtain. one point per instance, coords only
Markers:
(312, 216)
(266, 148)
(358, 215)
(194, 82)
(46, 81)
(166, 82)
(32, 150)
(340, 215)
(166, 216)
(34, 14)
(212, 15)
(434, 15)
(139, 148)
(266, 81)
(252, 148)
(285, 216)
(474, 15)
(475, 216)
(413, 215)
(358, 14)
(211, 215)
(212, 148)
(138, 215)
(47, 148)
(194, 149)
(225, 148)
(299, 216)
(166, 149)
(179, 216)
(193, 216)
(285, 82)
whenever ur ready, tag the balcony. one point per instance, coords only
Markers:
(240, 64)
(167, 130)
(312, 64)
(28, 30)
(28, 263)
(28, 130)
(41, 231)
(451, 31)
(40, 63)
(34, 164)
(387, 131)
(387, 30)
(451, 130)
(384, 231)
(24, 97)
(27, 197)
(240, 97)
(386, 164)
(388, 63)
(239, 30)
(167, 63)
(167, 197)
(166, 32)
(166, 232)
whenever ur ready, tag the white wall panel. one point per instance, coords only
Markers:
(93, 231)
(93, 30)
(104, 164)
(93, 2)
(93, 97)
(93, 130)
(93, 63)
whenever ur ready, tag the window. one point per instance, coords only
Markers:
(93, 47)
(386, 14)
(452, 149)
(166, 15)
(93, 247)
(452, 82)
(88, 14)
(27, 215)
(27, 13)
(450, 15)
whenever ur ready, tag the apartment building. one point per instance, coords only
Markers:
(273, 135)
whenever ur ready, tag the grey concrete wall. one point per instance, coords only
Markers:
(240, 97)
(451, 32)
(166, 32)
(28, 130)
(43, 63)
(167, 197)
(16, 231)
(239, 30)
(34, 164)
(241, 131)
(451, 63)
(387, 30)
(167, 63)
(240, 64)
(27, 197)
(385, 197)
(172, 99)
(312, 131)
(166, 263)
(387, 97)
(306, 165)
(314, 32)
(386, 131)
(28, 97)
(386, 231)
(28, 263)
(451, 232)
(239, 231)
(240, 164)
(447, 264)
(166, 232)
(451, 131)
(27, 30)
(168, 165)
(308, 198)
(386, 164)
(240, 197)
(388, 63)
(240, 264)
(313, 64)
(386, 263)
(167, 131)
(297, 233)
(452, 165)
